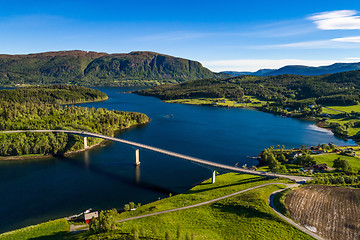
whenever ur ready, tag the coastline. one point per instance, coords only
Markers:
(318, 123)
(101, 100)
(38, 156)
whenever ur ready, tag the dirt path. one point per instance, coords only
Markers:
(75, 229)
(334, 110)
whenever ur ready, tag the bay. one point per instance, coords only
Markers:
(38, 190)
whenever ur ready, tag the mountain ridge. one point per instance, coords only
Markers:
(88, 68)
(301, 70)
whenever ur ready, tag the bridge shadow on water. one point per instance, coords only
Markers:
(116, 177)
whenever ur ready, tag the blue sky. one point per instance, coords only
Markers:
(222, 35)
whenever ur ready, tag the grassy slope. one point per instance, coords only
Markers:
(342, 120)
(227, 103)
(329, 158)
(55, 229)
(348, 109)
(246, 216)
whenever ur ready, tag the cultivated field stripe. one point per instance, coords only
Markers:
(288, 220)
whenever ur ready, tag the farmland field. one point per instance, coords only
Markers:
(331, 212)
(348, 109)
(329, 159)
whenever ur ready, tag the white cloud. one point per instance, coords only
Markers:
(256, 64)
(355, 39)
(305, 44)
(336, 43)
(337, 20)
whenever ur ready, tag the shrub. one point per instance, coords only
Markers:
(105, 222)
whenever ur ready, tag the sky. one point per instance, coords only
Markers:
(222, 35)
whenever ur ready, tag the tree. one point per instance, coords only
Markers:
(303, 147)
(274, 164)
(281, 158)
(105, 222)
(342, 164)
(305, 160)
(127, 207)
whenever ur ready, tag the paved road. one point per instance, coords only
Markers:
(271, 203)
(74, 228)
(213, 165)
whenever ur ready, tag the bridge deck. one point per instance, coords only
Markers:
(213, 165)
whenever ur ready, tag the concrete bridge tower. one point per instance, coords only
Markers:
(85, 142)
(137, 157)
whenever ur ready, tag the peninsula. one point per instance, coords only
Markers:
(39, 108)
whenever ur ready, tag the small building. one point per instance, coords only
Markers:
(90, 215)
(295, 154)
(307, 169)
(319, 167)
(317, 151)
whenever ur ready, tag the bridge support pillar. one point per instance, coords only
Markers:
(137, 157)
(213, 176)
(85, 142)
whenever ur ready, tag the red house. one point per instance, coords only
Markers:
(89, 216)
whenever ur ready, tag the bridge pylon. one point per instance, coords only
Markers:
(213, 176)
(137, 157)
(85, 142)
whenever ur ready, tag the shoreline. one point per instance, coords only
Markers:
(101, 100)
(38, 156)
(318, 123)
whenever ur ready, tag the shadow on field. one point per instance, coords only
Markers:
(247, 212)
(55, 236)
(244, 181)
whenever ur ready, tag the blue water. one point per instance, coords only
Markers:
(34, 191)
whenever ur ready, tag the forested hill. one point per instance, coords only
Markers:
(54, 94)
(339, 88)
(99, 69)
(39, 108)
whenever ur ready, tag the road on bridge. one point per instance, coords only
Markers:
(213, 165)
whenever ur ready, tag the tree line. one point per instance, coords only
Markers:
(19, 115)
(296, 93)
(53, 94)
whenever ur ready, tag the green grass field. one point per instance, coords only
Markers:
(329, 158)
(227, 103)
(348, 109)
(343, 121)
(245, 216)
(56, 229)
(329, 111)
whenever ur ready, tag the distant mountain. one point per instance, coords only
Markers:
(302, 70)
(312, 71)
(99, 69)
(260, 72)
